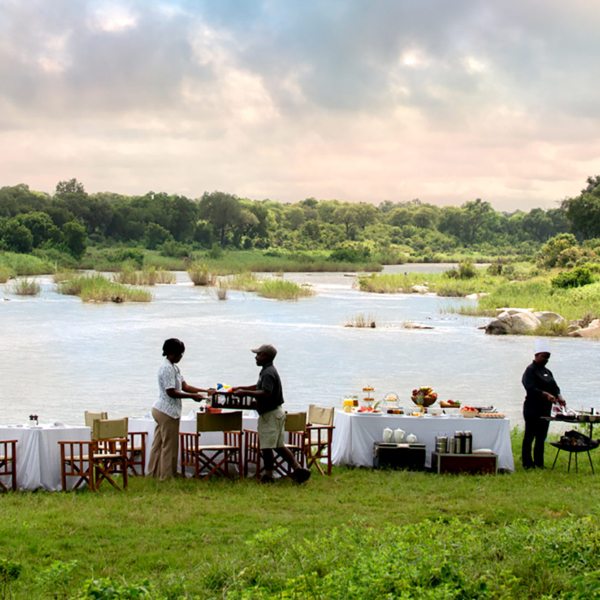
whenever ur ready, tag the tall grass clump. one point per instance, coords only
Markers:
(26, 287)
(222, 289)
(247, 282)
(25, 264)
(361, 321)
(200, 274)
(6, 273)
(283, 290)
(97, 288)
(147, 276)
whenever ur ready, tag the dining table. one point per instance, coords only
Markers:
(356, 433)
(38, 452)
(187, 424)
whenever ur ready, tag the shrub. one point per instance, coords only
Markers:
(466, 270)
(352, 252)
(200, 274)
(26, 287)
(578, 277)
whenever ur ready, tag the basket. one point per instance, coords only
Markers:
(233, 401)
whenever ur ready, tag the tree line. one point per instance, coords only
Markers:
(71, 219)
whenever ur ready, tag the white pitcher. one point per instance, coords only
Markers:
(411, 438)
(399, 436)
(388, 435)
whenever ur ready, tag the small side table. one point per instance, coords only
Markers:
(464, 463)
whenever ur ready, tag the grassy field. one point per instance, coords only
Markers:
(358, 534)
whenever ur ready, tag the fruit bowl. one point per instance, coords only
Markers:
(469, 412)
(424, 396)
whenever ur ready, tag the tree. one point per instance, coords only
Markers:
(551, 250)
(155, 235)
(583, 212)
(223, 211)
(75, 238)
(41, 226)
(64, 188)
(16, 237)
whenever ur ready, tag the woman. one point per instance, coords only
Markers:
(166, 411)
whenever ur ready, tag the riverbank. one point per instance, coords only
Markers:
(358, 534)
(523, 287)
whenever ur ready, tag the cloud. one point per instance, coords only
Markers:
(440, 100)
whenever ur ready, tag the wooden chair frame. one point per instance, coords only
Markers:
(295, 424)
(8, 464)
(319, 438)
(136, 452)
(90, 417)
(98, 460)
(208, 460)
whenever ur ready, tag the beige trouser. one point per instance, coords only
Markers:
(163, 456)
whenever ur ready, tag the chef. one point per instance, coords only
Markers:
(542, 392)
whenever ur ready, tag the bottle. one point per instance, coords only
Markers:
(468, 442)
(458, 442)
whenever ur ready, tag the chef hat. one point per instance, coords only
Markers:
(542, 345)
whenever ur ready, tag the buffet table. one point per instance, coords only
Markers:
(38, 453)
(355, 434)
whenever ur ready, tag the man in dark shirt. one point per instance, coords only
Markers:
(271, 416)
(541, 392)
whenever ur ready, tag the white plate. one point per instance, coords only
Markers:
(370, 414)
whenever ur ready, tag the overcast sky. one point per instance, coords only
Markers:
(360, 100)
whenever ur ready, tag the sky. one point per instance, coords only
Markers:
(355, 100)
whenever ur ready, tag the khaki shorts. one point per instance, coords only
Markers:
(271, 429)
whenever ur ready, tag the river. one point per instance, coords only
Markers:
(59, 356)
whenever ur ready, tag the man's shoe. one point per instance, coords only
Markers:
(301, 475)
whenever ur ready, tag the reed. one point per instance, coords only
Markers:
(61, 276)
(200, 274)
(6, 273)
(361, 321)
(283, 290)
(246, 282)
(26, 287)
(147, 276)
(97, 288)
(222, 289)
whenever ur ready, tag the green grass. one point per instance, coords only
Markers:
(358, 534)
(528, 290)
(97, 288)
(538, 293)
(280, 289)
(24, 264)
(439, 283)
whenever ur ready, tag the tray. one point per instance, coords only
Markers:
(234, 401)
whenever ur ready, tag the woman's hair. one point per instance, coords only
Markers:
(173, 346)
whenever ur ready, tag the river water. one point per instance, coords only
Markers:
(59, 356)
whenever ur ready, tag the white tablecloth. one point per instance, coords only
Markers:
(355, 434)
(38, 453)
(187, 425)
